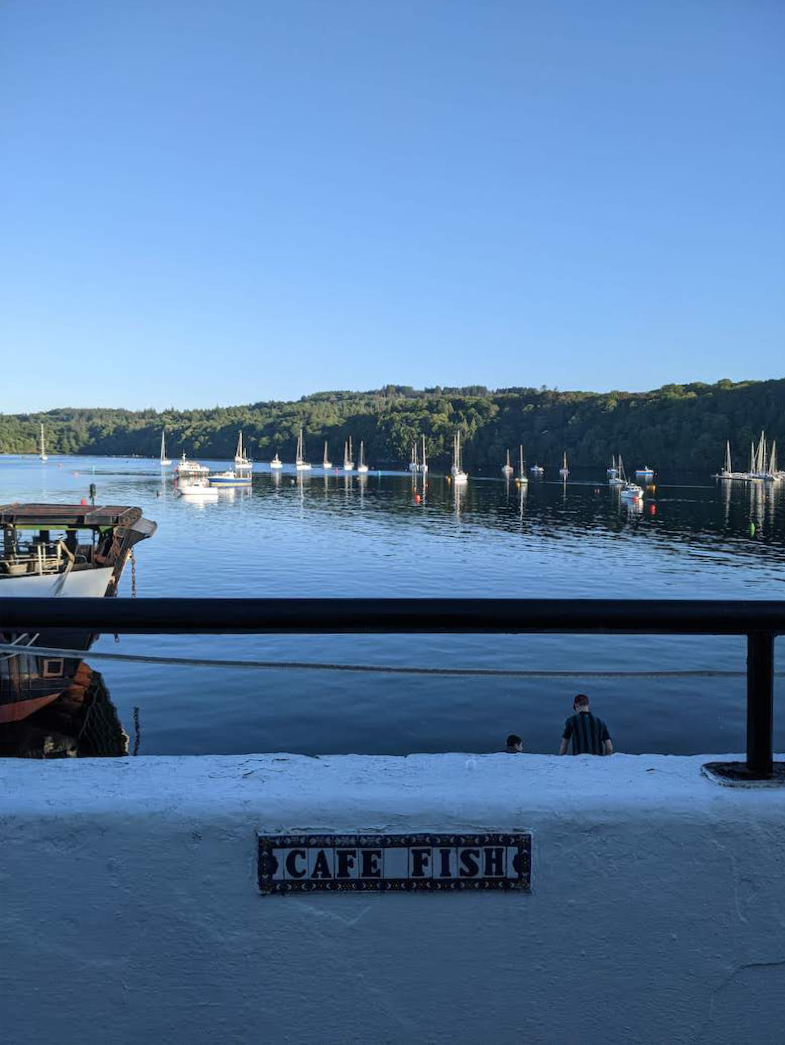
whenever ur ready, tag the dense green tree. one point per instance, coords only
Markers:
(677, 425)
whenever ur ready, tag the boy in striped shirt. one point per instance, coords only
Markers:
(589, 735)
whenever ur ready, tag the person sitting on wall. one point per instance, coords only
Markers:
(589, 735)
(514, 744)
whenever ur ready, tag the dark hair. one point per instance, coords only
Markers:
(581, 701)
(513, 739)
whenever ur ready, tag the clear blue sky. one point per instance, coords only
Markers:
(220, 201)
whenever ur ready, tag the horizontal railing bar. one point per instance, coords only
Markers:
(399, 616)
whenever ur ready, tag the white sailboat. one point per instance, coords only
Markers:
(629, 491)
(241, 459)
(564, 471)
(727, 470)
(613, 471)
(507, 469)
(43, 455)
(362, 466)
(348, 463)
(459, 477)
(326, 462)
(424, 462)
(165, 462)
(276, 463)
(299, 462)
(522, 479)
(414, 465)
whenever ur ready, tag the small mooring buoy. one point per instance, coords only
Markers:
(752, 529)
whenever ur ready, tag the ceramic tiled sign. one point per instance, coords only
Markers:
(296, 863)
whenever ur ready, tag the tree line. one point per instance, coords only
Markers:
(682, 426)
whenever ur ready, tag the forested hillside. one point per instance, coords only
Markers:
(676, 425)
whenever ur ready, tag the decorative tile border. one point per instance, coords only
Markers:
(301, 863)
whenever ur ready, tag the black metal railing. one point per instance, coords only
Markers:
(759, 621)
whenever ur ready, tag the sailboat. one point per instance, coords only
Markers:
(276, 464)
(522, 480)
(299, 462)
(241, 460)
(42, 455)
(564, 471)
(727, 470)
(414, 464)
(629, 491)
(507, 469)
(326, 462)
(362, 466)
(348, 463)
(613, 471)
(424, 462)
(616, 474)
(165, 462)
(459, 477)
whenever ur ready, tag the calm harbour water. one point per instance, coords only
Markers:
(350, 536)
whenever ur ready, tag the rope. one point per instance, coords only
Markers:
(379, 669)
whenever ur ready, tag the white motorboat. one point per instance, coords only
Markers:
(241, 460)
(507, 469)
(629, 491)
(361, 465)
(299, 462)
(42, 455)
(276, 463)
(459, 477)
(197, 488)
(564, 471)
(165, 462)
(189, 469)
(326, 462)
(644, 473)
(348, 463)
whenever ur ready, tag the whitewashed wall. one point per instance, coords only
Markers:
(130, 910)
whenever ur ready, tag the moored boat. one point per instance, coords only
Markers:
(165, 462)
(229, 479)
(300, 462)
(326, 462)
(459, 477)
(507, 468)
(186, 469)
(522, 479)
(361, 465)
(564, 471)
(348, 463)
(42, 455)
(49, 551)
(241, 460)
(276, 463)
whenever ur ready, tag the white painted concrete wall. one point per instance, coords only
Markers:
(130, 911)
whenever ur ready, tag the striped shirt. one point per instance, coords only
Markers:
(588, 734)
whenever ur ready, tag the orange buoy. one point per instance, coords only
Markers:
(417, 499)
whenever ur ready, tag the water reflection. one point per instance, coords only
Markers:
(81, 722)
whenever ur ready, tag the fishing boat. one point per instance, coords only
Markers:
(190, 469)
(361, 465)
(644, 473)
(522, 479)
(507, 469)
(564, 471)
(348, 463)
(165, 462)
(414, 464)
(49, 551)
(326, 462)
(616, 474)
(241, 459)
(613, 471)
(276, 463)
(42, 455)
(230, 479)
(424, 462)
(459, 477)
(299, 462)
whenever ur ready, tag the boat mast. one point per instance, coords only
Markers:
(727, 457)
(424, 460)
(360, 462)
(520, 462)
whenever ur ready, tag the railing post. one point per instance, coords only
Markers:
(760, 703)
